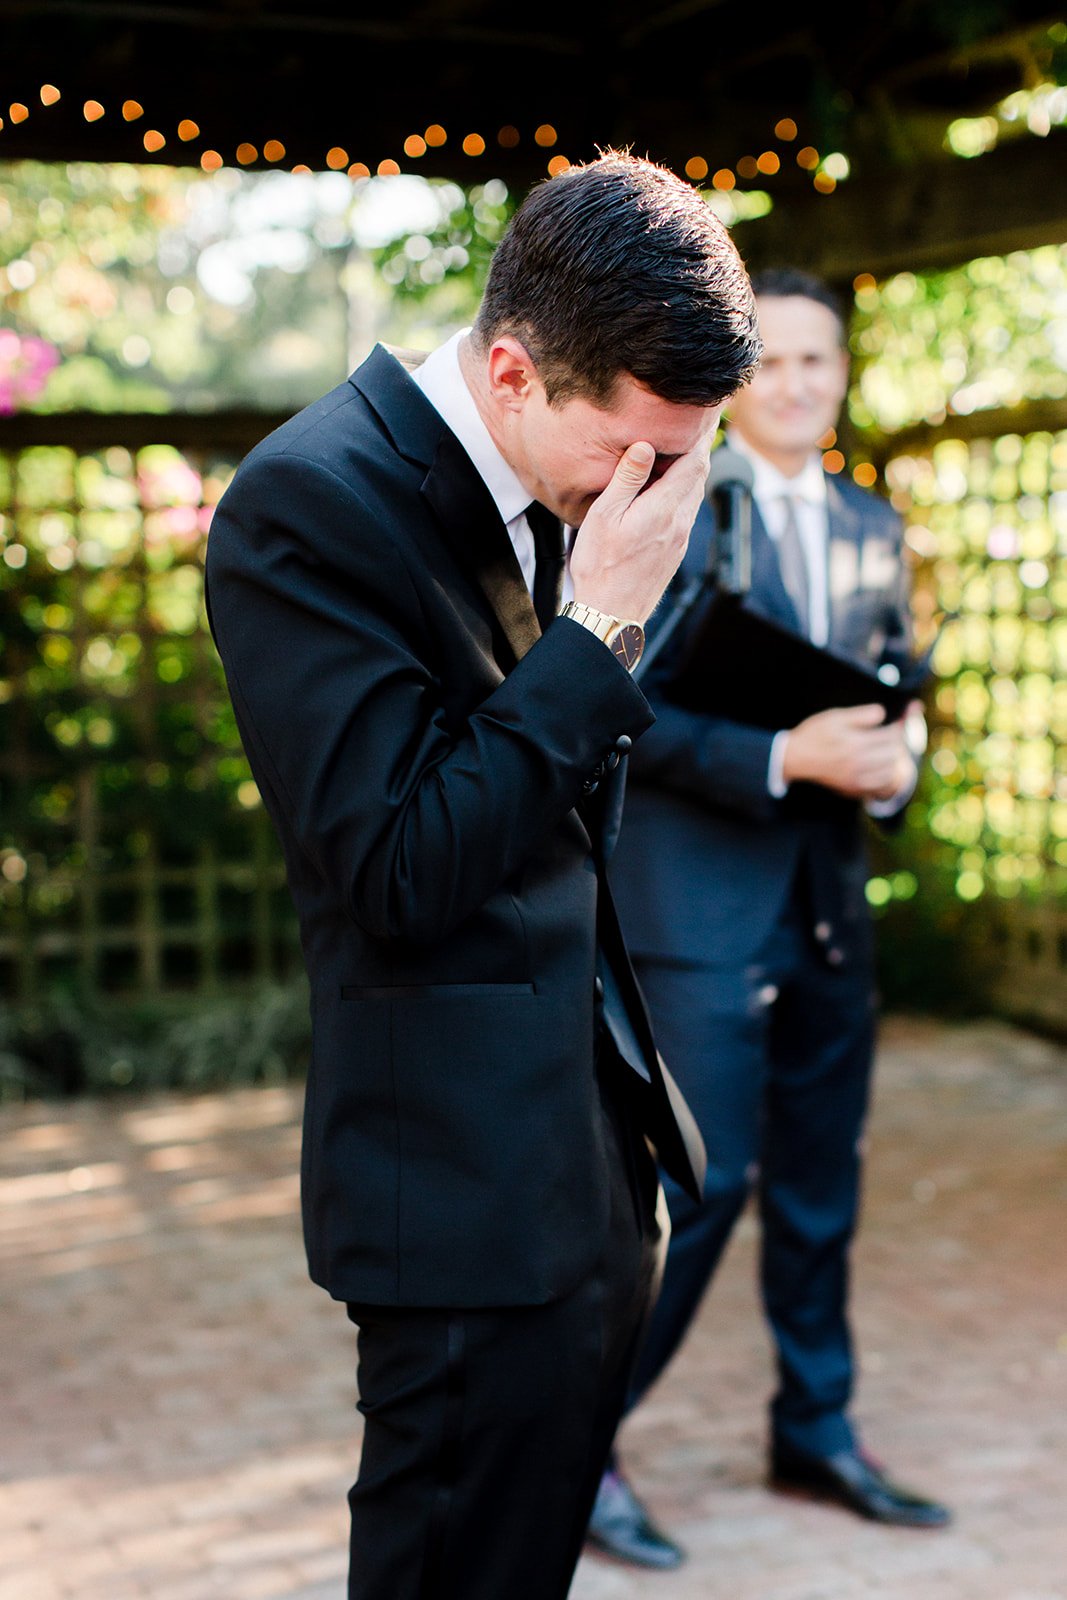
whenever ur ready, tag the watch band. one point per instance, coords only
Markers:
(624, 638)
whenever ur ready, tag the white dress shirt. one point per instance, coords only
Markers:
(807, 490)
(441, 380)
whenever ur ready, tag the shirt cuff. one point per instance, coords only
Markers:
(777, 787)
(915, 738)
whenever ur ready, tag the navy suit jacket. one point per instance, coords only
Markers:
(423, 753)
(706, 857)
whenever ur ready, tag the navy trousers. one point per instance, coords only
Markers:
(774, 1059)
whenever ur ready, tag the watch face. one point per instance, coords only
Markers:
(628, 644)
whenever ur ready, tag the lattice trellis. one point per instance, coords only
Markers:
(135, 856)
(988, 520)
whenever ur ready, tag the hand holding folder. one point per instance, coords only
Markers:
(738, 664)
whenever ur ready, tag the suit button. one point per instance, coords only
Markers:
(612, 761)
(823, 931)
(835, 956)
(591, 785)
(624, 744)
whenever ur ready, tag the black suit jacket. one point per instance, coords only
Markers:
(706, 857)
(422, 752)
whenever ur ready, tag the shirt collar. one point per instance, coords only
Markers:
(441, 380)
(768, 484)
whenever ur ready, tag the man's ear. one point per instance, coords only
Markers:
(510, 373)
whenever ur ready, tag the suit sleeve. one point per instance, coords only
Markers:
(335, 673)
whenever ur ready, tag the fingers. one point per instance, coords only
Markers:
(629, 477)
(863, 716)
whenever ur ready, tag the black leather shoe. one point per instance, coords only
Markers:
(852, 1479)
(621, 1527)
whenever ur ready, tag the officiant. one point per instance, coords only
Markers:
(740, 876)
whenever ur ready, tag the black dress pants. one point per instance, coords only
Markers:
(486, 1431)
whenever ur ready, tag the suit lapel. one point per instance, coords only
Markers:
(470, 523)
(463, 508)
(844, 555)
(769, 594)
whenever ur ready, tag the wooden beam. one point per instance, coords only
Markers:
(225, 431)
(1033, 416)
(917, 219)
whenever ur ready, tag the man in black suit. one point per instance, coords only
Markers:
(740, 878)
(440, 754)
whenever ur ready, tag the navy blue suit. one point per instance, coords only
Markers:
(747, 920)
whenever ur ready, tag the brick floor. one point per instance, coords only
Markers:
(177, 1415)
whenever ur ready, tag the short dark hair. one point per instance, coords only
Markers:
(785, 283)
(620, 267)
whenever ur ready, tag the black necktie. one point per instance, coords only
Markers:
(547, 533)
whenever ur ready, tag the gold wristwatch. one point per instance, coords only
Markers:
(625, 640)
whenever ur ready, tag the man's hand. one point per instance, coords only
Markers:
(631, 543)
(851, 749)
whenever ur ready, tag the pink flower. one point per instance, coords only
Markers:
(25, 363)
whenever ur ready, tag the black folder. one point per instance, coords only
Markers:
(738, 664)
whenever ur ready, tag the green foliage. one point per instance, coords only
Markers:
(60, 1047)
(454, 253)
(992, 333)
(160, 290)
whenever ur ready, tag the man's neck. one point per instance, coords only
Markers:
(789, 463)
(472, 368)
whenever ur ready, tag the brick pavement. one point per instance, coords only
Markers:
(177, 1417)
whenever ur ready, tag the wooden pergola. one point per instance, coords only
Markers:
(468, 88)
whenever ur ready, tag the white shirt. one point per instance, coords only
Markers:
(808, 493)
(441, 380)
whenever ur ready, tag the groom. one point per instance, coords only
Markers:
(439, 744)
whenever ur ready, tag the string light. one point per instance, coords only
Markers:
(865, 474)
(827, 172)
(863, 281)
(833, 461)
